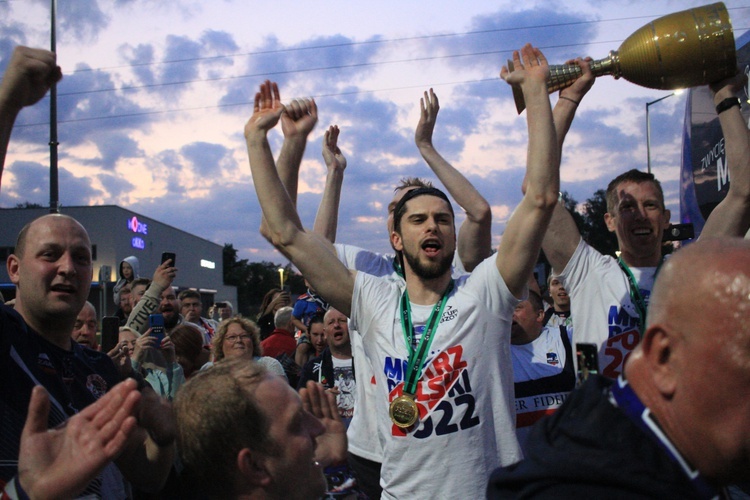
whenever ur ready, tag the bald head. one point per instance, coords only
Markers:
(43, 220)
(692, 367)
(51, 268)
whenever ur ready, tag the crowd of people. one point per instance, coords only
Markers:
(437, 371)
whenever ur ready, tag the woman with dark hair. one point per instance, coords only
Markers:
(239, 337)
(188, 347)
(275, 299)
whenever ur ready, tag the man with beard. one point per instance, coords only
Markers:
(440, 348)
(155, 297)
(543, 371)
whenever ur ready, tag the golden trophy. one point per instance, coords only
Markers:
(685, 49)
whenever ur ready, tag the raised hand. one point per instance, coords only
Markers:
(529, 65)
(331, 445)
(299, 117)
(582, 85)
(165, 274)
(60, 462)
(332, 155)
(267, 109)
(429, 107)
(30, 74)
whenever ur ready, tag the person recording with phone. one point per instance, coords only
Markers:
(154, 358)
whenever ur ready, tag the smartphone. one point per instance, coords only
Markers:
(679, 232)
(220, 305)
(165, 256)
(156, 323)
(588, 361)
(110, 332)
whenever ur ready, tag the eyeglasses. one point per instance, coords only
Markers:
(234, 338)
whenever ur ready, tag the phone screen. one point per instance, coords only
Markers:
(169, 256)
(156, 323)
(110, 332)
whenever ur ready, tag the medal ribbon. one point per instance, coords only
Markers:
(416, 358)
(635, 294)
(627, 400)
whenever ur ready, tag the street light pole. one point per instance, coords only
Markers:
(648, 127)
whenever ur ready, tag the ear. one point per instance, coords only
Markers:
(252, 468)
(540, 316)
(658, 345)
(396, 241)
(667, 216)
(610, 221)
(13, 265)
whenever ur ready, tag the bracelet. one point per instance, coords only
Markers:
(571, 100)
(728, 103)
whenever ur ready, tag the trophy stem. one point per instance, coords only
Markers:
(563, 75)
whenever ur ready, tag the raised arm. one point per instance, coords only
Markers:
(327, 218)
(520, 244)
(562, 235)
(30, 74)
(297, 121)
(474, 236)
(731, 217)
(305, 250)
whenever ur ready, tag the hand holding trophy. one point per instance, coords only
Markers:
(685, 49)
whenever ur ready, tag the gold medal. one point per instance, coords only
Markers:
(403, 411)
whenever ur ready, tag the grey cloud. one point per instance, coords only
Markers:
(81, 20)
(206, 157)
(115, 186)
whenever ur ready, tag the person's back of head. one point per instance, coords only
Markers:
(217, 416)
(692, 367)
(188, 347)
(283, 318)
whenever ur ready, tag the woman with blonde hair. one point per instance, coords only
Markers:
(238, 337)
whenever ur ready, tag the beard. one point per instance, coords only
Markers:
(431, 269)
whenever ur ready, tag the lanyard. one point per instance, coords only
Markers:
(635, 294)
(627, 400)
(416, 358)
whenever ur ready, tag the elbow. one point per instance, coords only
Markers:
(481, 214)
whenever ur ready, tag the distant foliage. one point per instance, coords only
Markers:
(590, 221)
(254, 279)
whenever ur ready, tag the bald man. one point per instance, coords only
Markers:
(677, 423)
(84, 329)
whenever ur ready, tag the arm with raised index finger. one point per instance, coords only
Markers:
(522, 240)
(474, 237)
(305, 250)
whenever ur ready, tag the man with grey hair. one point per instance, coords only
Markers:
(281, 341)
(676, 424)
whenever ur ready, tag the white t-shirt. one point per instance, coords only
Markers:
(343, 380)
(362, 432)
(601, 305)
(465, 392)
(544, 357)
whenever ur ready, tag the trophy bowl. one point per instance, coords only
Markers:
(684, 49)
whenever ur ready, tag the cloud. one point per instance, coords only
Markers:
(81, 20)
(206, 158)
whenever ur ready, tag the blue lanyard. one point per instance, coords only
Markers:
(627, 400)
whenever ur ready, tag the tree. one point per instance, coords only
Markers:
(254, 279)
(595, 230)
